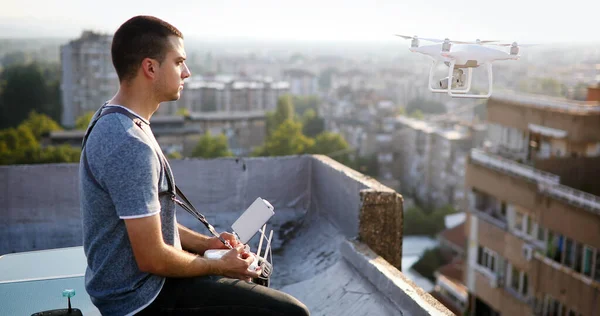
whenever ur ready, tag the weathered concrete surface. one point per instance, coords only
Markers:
(381, 219)
(318, 207)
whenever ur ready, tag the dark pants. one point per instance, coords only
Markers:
(214, 295)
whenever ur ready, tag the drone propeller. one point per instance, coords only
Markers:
(435, 40)
(515, 44)
(421, 38)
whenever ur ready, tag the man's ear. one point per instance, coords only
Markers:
(149, 68)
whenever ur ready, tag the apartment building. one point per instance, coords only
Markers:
(430, 159)
(88, 76)
(223, 93)
(534, 208)
(302, 82)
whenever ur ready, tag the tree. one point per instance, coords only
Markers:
(417, 114)
(18, 145)
(305, 103)
(287, 139)
(328, 143)
(24, 88)
(40, 124)
(183, 112)
(82, 122)
(284, 111)
(212, 147)
(313, 125)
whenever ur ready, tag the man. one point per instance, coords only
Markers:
(140, 260)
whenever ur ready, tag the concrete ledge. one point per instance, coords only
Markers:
(406, 295)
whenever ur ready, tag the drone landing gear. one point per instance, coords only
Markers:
(456, 79)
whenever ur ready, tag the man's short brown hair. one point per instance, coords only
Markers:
(138, 38)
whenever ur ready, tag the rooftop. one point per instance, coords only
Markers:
(545, 102)
(335, 230)
(450, 133)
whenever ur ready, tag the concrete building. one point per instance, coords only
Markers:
(337, 242)
(302, 82)
(534, 208)
(88, 77)
(223, 93)
(430, 159)
(175, 133)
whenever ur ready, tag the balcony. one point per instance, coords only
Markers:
(572, 196)
(514, 168)
(335, 230)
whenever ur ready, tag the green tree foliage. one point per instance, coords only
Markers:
(430, 261)
(40, 124)
(417, 114)
(183, 112)
(25, 88)
(21, 145)
(284, 111)
(313, 125)
(365, 165)
(82, 122)
(422, 222)
(212, 146)
(333, 145)
(287, 139)
(305, 103)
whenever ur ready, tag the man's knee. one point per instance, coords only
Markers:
(297, 308)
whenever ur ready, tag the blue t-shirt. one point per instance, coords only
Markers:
(129, 176)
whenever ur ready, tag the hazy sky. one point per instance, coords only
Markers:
(521, 20)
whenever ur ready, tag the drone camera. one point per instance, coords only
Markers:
(444, 83)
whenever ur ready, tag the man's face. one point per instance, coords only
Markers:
(172, 71)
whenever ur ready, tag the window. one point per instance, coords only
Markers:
(541, 233)
(519, 281)
(529, 226)
(597, 264)
(578, 257)
(486, 258)
(524, 289)
(588, 258)
(518, 223)
(554, 246)
(569, 253)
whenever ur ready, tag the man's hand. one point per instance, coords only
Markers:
(215, 243)
(234, 264)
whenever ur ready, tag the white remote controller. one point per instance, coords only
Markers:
(218, 253)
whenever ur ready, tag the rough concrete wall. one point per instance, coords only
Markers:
(335, 193)
(39, 204)
(39, 207)
(359, 206)
(381, 219)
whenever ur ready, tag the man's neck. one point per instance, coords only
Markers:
(140, 103)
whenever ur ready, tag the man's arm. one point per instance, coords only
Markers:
(193, 241)
(154, 256)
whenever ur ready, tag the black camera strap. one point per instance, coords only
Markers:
(173, 189)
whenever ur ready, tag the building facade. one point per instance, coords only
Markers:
(534, 209)
(88, 76)
(228, 94)
(430, 159)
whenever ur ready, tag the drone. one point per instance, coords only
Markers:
(460, 56)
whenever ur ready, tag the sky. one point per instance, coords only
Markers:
(525, 21)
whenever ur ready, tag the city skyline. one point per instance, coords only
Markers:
(348, 21)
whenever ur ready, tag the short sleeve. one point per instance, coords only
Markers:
(131, 176)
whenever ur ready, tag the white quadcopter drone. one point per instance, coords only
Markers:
(458, 55)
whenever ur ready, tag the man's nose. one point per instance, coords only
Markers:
(186, 71)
